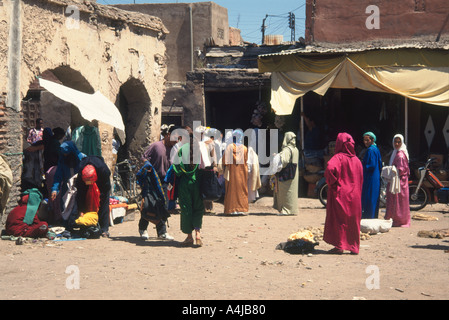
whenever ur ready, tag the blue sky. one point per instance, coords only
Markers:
(248, 15)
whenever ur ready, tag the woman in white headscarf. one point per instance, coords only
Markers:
(398, 206)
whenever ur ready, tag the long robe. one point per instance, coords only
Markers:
(189, 195)
(235, 162)
(344, 175)
(286, 192)
(372, 167)
(254, 181)
(398, 205)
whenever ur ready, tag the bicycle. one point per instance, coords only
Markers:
(125, 183)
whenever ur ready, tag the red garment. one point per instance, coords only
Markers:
(16, 227)
(344, 175)
(89, 175)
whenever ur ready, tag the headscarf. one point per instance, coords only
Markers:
(403, 148)
(69, 147)
(345, 144)
(89, 174)
(238, 134)
(228, 137)
(289, 140)
(373, 136)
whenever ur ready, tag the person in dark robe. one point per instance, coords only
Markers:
(93, 186)
(158, 154)
(51, 146)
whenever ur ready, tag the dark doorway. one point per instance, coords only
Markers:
(232, 109)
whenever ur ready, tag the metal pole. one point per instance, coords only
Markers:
(263, 29)
(191, 37)
(406, 121)
(302, 122)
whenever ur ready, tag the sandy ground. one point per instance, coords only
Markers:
(237, 262)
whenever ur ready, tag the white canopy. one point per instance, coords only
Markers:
(91, 106)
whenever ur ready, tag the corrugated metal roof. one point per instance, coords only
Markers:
(352, 48)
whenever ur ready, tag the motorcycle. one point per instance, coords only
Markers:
(420, 194)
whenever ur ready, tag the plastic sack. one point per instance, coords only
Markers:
(375, 226)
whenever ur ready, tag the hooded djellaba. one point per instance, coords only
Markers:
(286, 189)
(344, 176)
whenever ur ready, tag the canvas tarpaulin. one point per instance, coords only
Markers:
(421, 75)
(91, 106)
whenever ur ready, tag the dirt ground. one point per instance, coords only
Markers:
(237, 262)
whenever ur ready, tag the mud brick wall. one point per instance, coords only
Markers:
(11, 148)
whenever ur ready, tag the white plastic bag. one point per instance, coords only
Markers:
(374, 226)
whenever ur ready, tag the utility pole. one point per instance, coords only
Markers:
(263, 29)
(292, 25)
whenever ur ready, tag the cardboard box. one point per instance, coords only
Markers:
(117, 211)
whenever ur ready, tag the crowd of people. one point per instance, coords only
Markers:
(61, 186)
(78, 185)
(354, 188)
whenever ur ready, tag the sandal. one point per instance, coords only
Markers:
(187, 242)
(199, 242)
(335, 251)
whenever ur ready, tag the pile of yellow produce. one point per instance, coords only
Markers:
(305, 235)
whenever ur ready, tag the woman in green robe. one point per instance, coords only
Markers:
(286, 192)
(189, 196)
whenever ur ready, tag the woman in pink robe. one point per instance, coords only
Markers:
(344, 176)
(398, 205)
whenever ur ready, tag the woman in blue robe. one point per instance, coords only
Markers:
(372, 168)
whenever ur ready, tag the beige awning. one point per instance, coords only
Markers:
(421, 75)
(91, 106)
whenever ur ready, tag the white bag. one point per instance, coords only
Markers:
(374, 226)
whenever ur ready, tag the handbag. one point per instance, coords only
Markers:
(289, 172)
(210, 187)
